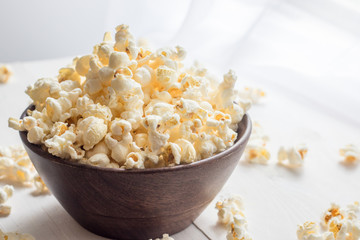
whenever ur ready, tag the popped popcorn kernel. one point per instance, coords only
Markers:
(338, 224)
(350, 153)
(292, 157)
(252, 94)
(127, 106)
(15, 236)
(256, 151)
(164, 237)
(40, 187)
(231, 214)
(5, 74)
(5, 193)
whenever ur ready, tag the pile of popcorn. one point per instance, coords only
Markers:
(338, 224)
(16, 167)
(124, 106)
(231, 214)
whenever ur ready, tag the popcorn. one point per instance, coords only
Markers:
(351, 154)
(256, 151)
(294, 156)
(338, 224)
(5, 74)
(231, 214)
(251, 94)
(5, 193)
(40, 187)
(164, 237)
(15, 236)
(125, 106)
(15, 165)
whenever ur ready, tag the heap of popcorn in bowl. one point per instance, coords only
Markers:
(125, 106)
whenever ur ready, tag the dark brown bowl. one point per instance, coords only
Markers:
(136, 204)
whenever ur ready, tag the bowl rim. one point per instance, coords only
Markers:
(40, 151)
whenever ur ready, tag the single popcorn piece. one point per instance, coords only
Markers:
(338, 224)
(256, 151)
(5, 193)
(15, 236)
(351, 154)
(252, 94)
(40, 187)
(5, 74)
(126, 106)
(292, 157)
(164, 237)
(231, 214)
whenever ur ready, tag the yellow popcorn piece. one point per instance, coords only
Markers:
(231, 214)
(292, 157)
(15, 236)
(40, 187)
(350, 153)
(5, 73)
(256, 151)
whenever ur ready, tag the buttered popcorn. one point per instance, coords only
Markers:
(337, 224)
(5, 193)
(292, 157)
(5, 74)
(125, 106)
(164, 237)
(256, 151)
(15, 236)
(231, 214)
(350, 153)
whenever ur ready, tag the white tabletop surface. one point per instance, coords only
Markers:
(305, 56)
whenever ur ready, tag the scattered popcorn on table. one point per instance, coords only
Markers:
(5, 193)
(256, 151)
(164, 237)
(125, 106)
(15, 165)
(292, 157)
(338, 224)
(351, 154)
(252, 94)
(5, 74)
(15, 236)
(231, 214)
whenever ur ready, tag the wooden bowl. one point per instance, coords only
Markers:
(136, 204)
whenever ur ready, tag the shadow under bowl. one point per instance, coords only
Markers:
(139, 203)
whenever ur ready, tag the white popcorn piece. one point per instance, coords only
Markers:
(40, 187)
(5, 73)
(292, 157)
(5, 193)
(256, 151)
(338, 224)
(351, 154)
(164, 237)
(15, 236)
(15, 165)
(125, 106)
(231, 214)
(252, 94)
